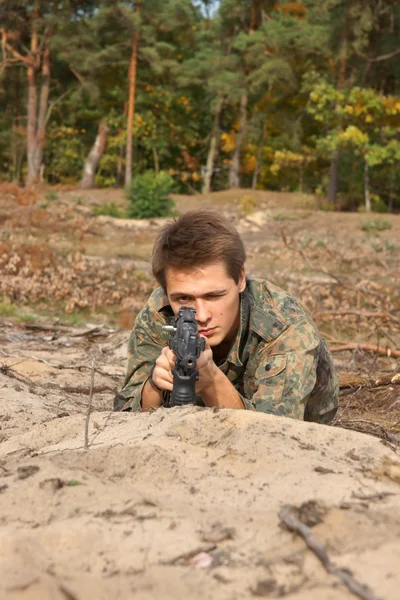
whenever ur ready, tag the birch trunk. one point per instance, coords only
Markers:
(258, 156)
(234, 178)
(333, 179)
(212, 151)
(92, 161)
(366, 188)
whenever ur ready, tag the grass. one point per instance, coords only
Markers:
(51, 195)
(41, 312)
(376, 225)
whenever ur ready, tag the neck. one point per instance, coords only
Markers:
(221, 351)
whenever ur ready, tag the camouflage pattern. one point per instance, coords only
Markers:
(279, 363)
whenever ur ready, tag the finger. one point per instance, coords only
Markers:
(162, 378)
(206, 343)
(166, 359)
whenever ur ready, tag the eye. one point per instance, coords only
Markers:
(184, 299)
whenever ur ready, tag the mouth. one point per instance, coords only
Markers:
(207, 332)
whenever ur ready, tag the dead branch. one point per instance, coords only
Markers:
(376, 496)
(385, 433)
(361, 315)
(384, 56)
(294, 524)
(188, 555)
(86, 444)
(367, 348)
(354, 380)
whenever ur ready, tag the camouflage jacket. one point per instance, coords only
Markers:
(279, 363)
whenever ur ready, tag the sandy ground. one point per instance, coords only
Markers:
(187, 502)
(179, 503)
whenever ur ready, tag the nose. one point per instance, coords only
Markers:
(203, 314)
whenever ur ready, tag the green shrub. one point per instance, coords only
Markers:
(247, 205)
(376, 225)
(109, 209)
(51, 195)
(148, 195)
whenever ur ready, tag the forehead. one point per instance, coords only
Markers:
(198, 280)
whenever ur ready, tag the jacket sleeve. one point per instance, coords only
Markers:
(145, 344)
(286, 375)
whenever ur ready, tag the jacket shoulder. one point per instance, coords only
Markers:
(155, 311)
(273, 309)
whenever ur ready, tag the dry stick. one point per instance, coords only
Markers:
(357, 313)
(294, 524)
(86, 445)
(368, 348)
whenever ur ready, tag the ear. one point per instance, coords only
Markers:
(242, 280)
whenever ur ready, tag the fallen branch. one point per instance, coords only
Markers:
(294, 524)
(186, 556)
(367, 348)
(86, 444)
(385, 433)
(355, 380)
(376, 496)
(357, 313)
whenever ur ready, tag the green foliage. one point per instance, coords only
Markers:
(51, 195)
(376, 225)
(247, 205)
(110, 209)
(300, 66)
(7, 309)
(149, 195)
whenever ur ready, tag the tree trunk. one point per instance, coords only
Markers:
(366, 188)
(334, 169)
(333, 179)
(391, 189)
(258, 156)
(31, 125)
(92, 161)
(212, 151)
(234, 179)
(120, 163)
(156, 159)
(36, 137)
(131, 104)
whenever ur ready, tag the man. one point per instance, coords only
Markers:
(262, 350)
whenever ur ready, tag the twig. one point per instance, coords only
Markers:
(367, 348)
(377, 496)
(188, 555)
(389, 436)
(357, 313)
(294, 524)
(86, 444)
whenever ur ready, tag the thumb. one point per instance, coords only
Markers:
(206, 344)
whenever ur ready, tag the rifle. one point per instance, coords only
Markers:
(187, 345)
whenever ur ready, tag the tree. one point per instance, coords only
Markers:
(33, 25)
(94, 157)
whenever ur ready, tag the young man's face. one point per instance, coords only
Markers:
(213, 294)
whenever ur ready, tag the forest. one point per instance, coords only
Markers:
(269, 95)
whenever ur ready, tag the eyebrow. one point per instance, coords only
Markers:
(176, 295)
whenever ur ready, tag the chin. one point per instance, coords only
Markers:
(214, 340)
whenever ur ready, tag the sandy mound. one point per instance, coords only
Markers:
(184, 503)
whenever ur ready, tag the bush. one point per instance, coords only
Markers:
(108, 209)
(376, 225)
(148, 195)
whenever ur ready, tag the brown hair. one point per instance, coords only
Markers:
(198, 238)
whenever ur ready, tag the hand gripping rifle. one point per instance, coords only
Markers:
(187, 345)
